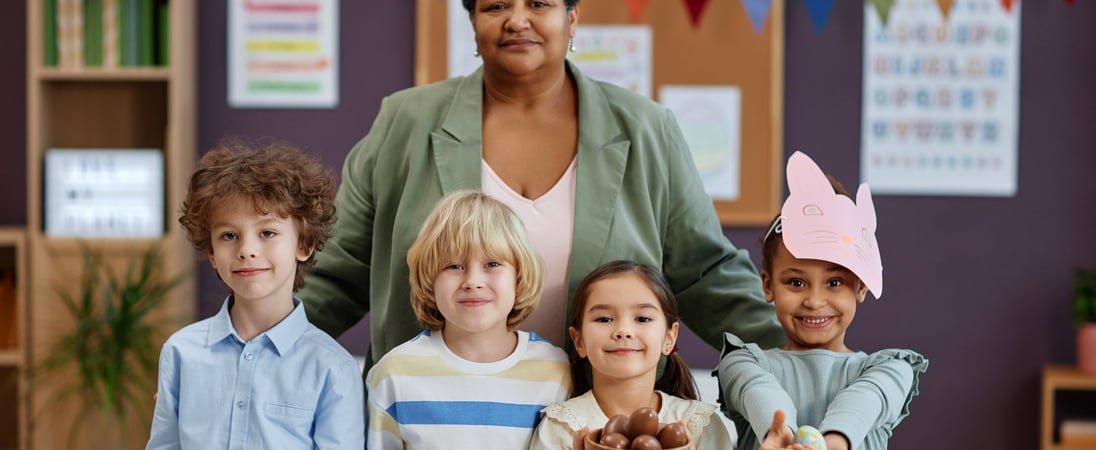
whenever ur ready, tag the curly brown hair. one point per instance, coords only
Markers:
(277, 177)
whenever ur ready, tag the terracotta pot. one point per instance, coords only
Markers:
(595, 435)
(1086, 348)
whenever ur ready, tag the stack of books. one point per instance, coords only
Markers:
(1078, 433)
(107, 33)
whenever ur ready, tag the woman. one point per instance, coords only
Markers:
(621, 185)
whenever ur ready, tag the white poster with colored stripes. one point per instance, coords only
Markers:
(941, 99)
(283, 53)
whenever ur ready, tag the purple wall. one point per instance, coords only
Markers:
(13, 116)
(979, 285)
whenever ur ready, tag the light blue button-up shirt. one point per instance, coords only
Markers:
(292, 387)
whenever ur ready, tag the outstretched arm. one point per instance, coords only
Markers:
(750, 389)
(876, 399)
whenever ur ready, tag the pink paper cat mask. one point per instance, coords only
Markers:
(817, 223)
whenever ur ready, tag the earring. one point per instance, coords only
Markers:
(475, 52)
(571, 45)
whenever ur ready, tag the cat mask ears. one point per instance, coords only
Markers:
(817, 223)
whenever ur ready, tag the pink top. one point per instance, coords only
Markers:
(549, 221)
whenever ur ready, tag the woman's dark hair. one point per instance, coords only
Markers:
(675, 379)
(470, 5)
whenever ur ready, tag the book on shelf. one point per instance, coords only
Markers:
(110, 33)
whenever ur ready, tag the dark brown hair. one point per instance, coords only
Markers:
(277, 177)
(675, 379)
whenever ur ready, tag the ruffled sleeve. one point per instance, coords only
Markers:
(748, 390)
(878, 399)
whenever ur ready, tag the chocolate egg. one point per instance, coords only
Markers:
(643, 421)
(615, 440)
(673, 436)
(617, 424)
(646, 442)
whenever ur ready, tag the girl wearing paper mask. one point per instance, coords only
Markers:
(820, 259)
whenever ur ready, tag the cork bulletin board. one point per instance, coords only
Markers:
(723, 49)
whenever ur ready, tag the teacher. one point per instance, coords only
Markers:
(596, 172)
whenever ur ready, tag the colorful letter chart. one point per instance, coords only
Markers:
(941, 99)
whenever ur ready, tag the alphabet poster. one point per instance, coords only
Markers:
(941, 99)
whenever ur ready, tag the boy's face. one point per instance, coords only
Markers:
(624, 331)
(256, 255)
(475, 295)
(815, 300)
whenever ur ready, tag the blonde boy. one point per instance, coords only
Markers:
(470, 380)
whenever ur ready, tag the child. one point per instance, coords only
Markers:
(258, 374)
(820, 258)
(623, 322)
(469, 380)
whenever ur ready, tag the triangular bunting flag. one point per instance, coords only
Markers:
(636, 8)
(883, 7)
(945, 7)
(1070, 2)
(758, 10)
(820, 12)
(696, 10)
(1007, 4)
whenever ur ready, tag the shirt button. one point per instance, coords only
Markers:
(240, 405)
(249, 356)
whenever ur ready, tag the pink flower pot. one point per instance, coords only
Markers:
(1086, 348)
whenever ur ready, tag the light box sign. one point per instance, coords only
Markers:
(104, 193)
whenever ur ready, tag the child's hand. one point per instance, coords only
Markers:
(780, 437)
(836, 441)
(579, 443)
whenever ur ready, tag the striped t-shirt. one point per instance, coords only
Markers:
(422, 396)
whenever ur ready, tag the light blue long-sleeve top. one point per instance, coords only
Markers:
(863, 396)
(292, 387)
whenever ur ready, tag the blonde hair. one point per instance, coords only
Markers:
(464, 223)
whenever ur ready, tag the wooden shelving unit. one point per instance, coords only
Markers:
(97, 107)
(13, 338)
(1060, 378)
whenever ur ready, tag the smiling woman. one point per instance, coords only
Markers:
(622, 185)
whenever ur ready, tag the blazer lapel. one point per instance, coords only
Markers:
(458, 143)
(602, 158)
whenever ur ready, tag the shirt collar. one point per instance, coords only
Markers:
(283, 335)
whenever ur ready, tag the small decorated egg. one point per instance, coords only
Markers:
(808, 435)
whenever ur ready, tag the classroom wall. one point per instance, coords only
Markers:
(981, 286)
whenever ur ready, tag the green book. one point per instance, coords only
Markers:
(93, 33)
(146, 45)
(163, 33)
(50, 26)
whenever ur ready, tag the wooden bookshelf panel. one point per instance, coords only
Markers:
(10, 431)
(104, 114)
(10, 308)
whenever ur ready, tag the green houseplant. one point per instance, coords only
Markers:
(1084, 317)
(106, 362)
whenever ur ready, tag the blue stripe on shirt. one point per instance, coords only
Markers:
(465, 413)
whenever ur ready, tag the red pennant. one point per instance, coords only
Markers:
(636, 8)
(1007, 4)
(696, 10)
(1070, 2)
